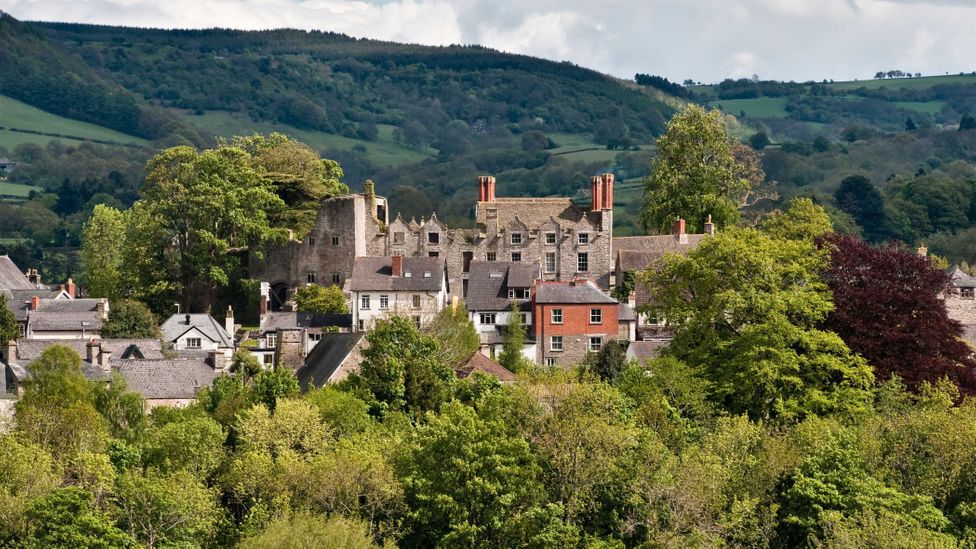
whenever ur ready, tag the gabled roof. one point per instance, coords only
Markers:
(177, 325)
(44, 321)
(489, 281)
(480, 363)
(644, 350)
(28, 350)
(961, 279)
(583, 292)
(420, 274)
(81, 305)
(326, 358)
(11, 278)
(285, 320)
(636, 253)
(533, 212)
(166, 379)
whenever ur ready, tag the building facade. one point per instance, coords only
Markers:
(571, 320)
(412, 287)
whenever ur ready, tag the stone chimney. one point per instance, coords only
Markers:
(596, 193)
(289, 349)
(33, 277)
(70, 288)
(709, 226)
(922, 251)
(607, 198)
(397, 265)
(104, 360)
(486, 188)
(35, 303)
(229, 321)
(10, 352)
(102, 308)
(679, 231)
(218, 360)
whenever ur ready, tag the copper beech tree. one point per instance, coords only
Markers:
(889, 308)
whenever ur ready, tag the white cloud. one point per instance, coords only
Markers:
(701, 39)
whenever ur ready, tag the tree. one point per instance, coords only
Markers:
(304, 530)
(889, 308)
(66, 517)
(759, 141)
(271, 385)
(910, 125)
(694, 175)
(9, 330)
(401, 370)
(123, 410)
(102, 252)
(130, 320)
(803, 220)
(511, 356)
(858, 197)
(313, 298)
(746, 308)
(609, 362)
(167, 510)
(456, 334)
(200, 210)
(193, 444)
(26, 473)
(967, 122)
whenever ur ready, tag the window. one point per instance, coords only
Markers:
(516, 238)
(584, 238)
(433, 254)
(516, 257)
(487, 318)
(596, 343)
(550, 262)
(384, 302)
(315, 337)
(464, 287)
(524, 318)
(335, 278)
(335, 240)
(398, 237)
(416, 301)
(550, 361)
(550, 238)
(556, 343)
(416, 321)
(364, 303)
(193, 343)
(596, 316)
(272, 339)
(362, 325)
(518, 293)
(967, 293)
(582, 262)
(466, 258)
(557, 316)
(490, 256)
(311, 241)
(310, 277)
(433, 238)
(268, 360)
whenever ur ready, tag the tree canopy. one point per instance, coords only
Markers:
(313, 298)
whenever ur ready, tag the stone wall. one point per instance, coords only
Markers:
(289, 349)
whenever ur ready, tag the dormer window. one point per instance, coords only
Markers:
(550, 238)
(518, 293)
(433, 238)
(584, 238)
(516, 238)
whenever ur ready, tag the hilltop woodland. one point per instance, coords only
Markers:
(816, 394)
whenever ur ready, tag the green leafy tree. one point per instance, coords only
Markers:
(123, 410)
(803, 220)
(103, 252)
(401, 369)
(456, 334)
(694, 175)
(313, 298)
(609, 362)
(9, 330)
(193, 444)
(342, 411)
(130, 320)
(857, 196)
(66, 517)
(759, 141)
(163, 510)
(511, 356)
(271, 385)
(746, 308)
(304, 530)
(27, 472)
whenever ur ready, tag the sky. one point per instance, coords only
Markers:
(704, 40)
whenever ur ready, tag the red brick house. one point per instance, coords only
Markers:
(570, 320)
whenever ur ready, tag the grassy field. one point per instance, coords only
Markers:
(16, 191)
(760, 107)
(15, 114)
(384, 151)
(579, 148)
(928, 107)
(908, 83)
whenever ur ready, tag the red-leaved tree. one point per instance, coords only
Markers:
(889, 308)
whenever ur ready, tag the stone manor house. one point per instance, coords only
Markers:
(567, 241)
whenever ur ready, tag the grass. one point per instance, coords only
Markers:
(384, 151)
(15, 190)
(578, 147)
(15, 114)
(760, 107)
(928, 107)
(908, 83)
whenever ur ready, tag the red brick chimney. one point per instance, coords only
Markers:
(678, 227)
(35, 303)
(608, 191)
(70, 288)
(398, 265)
(486, 188)
(596, 193)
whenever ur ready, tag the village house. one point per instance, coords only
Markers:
(571, 320)
(412, 287)
(310, 326)
(961, 302)
(199, 335)
(493, 287)
(332, 360)
(65, 318)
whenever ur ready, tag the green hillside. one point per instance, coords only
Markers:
(21, 122)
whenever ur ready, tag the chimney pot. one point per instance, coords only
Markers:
(596, 193)
(187, 318)
(70, 288)
(679, 226)
(397, 265)
(607, 191)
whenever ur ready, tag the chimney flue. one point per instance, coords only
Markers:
(229, 321)
(187, 319)
(596, 193)
(486, 188)
(70, 288)
(607, 191)
(397, 265)
(35, 302)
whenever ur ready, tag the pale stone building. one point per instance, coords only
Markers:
(412, 287)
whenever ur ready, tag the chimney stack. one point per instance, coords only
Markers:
(104, 360)
(11, 351)
(187, 319)
(33, 277)
(709, 226)
(218, 360)
(102, 308)
(596, 193)
(397, 265)
(263, 308)
(91, 349)
(486, 188)
(35, 303)
(229, 321)
(679, 231)
(70, 288)
(922, 251)
(607, 191)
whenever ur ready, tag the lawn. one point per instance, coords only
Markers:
(384, 151)
(760, 107)
(15, 114)
(13, 190)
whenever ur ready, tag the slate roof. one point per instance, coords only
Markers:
(328, 354)
(11, 277)
(177, 325)
(18, 300)
(489, 281)
(644, 350)
(533, 212)
(166, 379)
(82, 305)
(626, 313)
(273, 321)
(29, 350)
(566, 292)
(480, 363)
(44, 321)
(635, 253)
(961, 279)
(376, 274)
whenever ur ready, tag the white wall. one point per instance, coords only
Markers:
(400, 303)
(206, 344)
